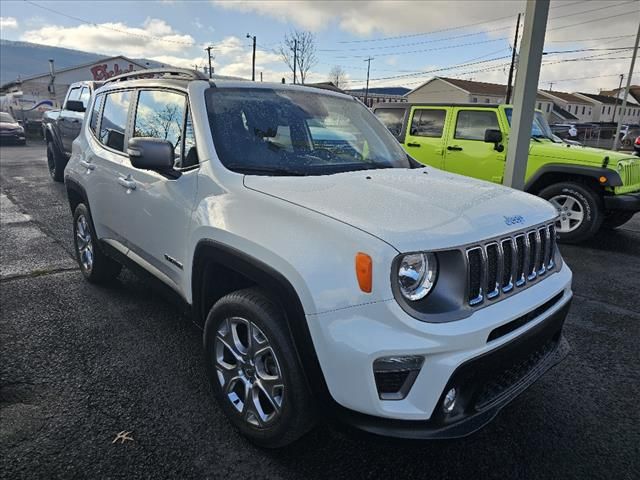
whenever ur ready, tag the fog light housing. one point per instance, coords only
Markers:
(395, 375)
(449, 402)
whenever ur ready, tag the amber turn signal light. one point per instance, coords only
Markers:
(603, 179)
(364, 271)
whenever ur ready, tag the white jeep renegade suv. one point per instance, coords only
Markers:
(332, 274)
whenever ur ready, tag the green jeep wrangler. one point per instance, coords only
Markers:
(589, 187)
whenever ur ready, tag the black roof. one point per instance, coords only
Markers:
(607, 100)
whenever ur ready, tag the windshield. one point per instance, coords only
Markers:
(540, 127)
(6, 118)
(288, 132)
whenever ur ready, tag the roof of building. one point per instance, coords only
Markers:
(634, 91)
(477, 88)
(567, 97)
(607, 100)
(562, 113)
(100, 60)
(381, 91)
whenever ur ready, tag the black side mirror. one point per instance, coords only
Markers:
(75, 106)
(495, 137)
(149, 153)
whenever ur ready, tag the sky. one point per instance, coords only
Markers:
(588, 44)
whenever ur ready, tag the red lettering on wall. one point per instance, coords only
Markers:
(102, 72)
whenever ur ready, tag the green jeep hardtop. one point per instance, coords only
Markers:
(589, 187)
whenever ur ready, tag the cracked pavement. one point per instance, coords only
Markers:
(80, 364)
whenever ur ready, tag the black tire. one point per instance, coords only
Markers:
(55, 162)
(296, 413)
(101, 269)
(616, 219)
(589, 202)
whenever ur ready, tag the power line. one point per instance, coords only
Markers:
(587, 21)
(98, 25)
(588, 39)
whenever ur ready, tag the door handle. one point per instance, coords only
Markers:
(127, 183)
(413, 144)
(87, 165)
(454, 148)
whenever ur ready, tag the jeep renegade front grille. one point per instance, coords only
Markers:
(497, 267)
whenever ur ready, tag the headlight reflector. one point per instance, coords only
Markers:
(417, 274)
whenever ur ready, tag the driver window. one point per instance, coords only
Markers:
(161, 114)
(471, 124)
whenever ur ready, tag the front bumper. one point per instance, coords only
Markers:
(486, 384)
(348, 341)
(12, 136)
(629, 202)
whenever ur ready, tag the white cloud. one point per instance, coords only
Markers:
(114, 38)
(8, 22)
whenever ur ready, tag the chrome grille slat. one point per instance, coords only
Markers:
(496, 267)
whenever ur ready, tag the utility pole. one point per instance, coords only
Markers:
(295, 59)
(526, 89)
(208, 49)
(260, 76)
(626, 90)
(253, 62)
(366, 90)
(615, 105)
(550, 86)
(513, 60)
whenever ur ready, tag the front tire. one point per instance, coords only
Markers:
(254, 370)
(579, 208)
(617, 219)
(94, 265)
(55, 162)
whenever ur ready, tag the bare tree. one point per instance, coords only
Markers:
(338, 77)
(305, 43)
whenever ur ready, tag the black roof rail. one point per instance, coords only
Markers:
(166, 72)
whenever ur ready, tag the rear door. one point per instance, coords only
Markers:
(466, 152)
(425, 135)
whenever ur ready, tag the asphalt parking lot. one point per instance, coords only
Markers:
(80, 363)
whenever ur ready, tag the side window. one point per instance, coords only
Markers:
(160, 114)
(93, 123)
(428, 123)
(391, 118)
(74, 94)
(471, 124)
(84, 96)
(114, 119)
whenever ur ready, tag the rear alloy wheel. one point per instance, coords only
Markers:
(579, 210)
(94, 265)
(254, 369)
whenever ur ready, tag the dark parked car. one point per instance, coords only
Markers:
(11, 130)
(61, 127)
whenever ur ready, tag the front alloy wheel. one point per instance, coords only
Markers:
(248, 371)
(570, 211)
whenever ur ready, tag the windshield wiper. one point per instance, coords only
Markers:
(251, 170)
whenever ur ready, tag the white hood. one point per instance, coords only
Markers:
(419, 209)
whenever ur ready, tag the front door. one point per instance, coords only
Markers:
(160, 205)
(424, 139)
(466, 152)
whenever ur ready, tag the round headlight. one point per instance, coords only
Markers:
(417, 274)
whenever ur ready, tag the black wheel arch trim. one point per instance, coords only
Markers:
(55, 139)
(613, 178)
(273, 282)
(72, 185)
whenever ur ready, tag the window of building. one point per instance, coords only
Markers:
(583, 109)
(471, 124)
(603, 107)
(548, 107)
(474, 100)
(487, 100)
(609, 110)
(428, 123)
(114, 119)
(160, 114)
